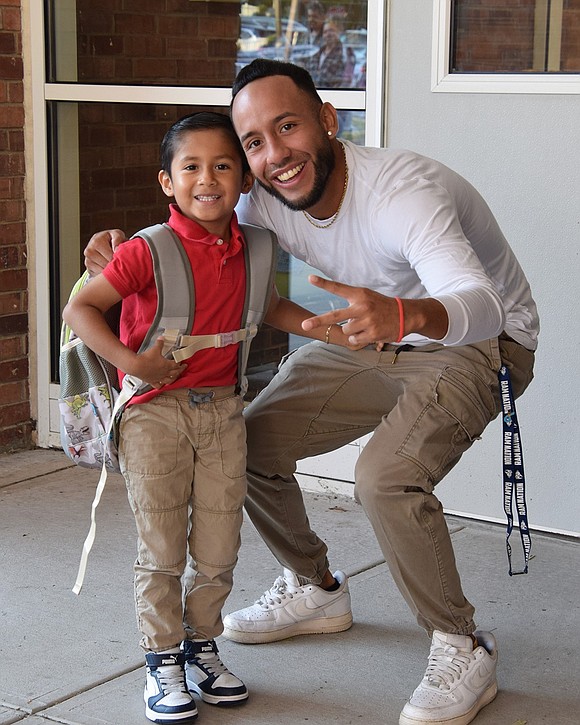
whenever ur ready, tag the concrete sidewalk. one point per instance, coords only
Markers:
(76, 660)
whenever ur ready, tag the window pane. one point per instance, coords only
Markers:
(570, 45)
(328, 39)
(189, 43)
(104, 161)
(177, 43)
(516, 36)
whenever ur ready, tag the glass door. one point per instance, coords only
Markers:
(108, 81)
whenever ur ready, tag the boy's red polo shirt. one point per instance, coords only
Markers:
(219, 275)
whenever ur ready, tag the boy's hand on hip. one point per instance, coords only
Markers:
(156, 370)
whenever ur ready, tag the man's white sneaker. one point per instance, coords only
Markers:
(167, 699)
(290, 608)
(459, 681)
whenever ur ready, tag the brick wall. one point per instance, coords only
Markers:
(571, 36)
(125, 41)
(494, 35)
(15, 423)
(161, 42)
(498, 36)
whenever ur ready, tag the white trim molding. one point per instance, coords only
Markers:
(442, 81)
(175, 95)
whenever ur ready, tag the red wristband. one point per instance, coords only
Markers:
(401, 319)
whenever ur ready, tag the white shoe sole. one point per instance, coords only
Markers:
(323, 625)
(164, 718)
(464, 719)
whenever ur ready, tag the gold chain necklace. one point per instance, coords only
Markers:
(336, 213)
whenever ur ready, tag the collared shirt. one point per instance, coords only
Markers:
(219, 276)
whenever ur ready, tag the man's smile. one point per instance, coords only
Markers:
(290, 174)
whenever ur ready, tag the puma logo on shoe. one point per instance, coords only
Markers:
(169, 660)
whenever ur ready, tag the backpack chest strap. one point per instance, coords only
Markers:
(188, 345)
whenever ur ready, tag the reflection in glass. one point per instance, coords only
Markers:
(351, 126)
(328, 39)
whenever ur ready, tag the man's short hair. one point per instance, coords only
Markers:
(265, 68)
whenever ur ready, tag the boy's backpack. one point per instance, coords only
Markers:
(91, 400)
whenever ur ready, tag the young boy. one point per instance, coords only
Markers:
(183, 444)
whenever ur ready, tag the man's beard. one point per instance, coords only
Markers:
(323, 167)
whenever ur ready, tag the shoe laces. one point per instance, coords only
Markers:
(211, 662)
(170, 678)
(446, 664)
(280, 590)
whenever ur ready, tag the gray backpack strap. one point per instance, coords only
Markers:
(174, 281)
(261, 256)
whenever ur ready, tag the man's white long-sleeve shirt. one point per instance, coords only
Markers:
(413, 228)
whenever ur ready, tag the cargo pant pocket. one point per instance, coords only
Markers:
(462, 405)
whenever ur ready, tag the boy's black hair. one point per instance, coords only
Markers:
(264, 68)
(201, 121)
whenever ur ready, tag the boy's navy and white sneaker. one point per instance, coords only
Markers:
(459, 681)
(207, 675)
(167, 699)
(290, 608)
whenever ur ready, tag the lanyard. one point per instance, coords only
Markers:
(513, 471)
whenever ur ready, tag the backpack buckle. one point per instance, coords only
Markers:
(225, 338)
(131, 384)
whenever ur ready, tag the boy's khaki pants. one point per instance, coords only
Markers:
(184, 466)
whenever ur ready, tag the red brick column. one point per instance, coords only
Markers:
(15, 423)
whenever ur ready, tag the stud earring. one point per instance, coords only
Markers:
(329, 133)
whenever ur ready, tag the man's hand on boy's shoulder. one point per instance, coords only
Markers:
(99, 251)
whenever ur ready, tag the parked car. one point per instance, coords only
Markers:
(259, 39)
